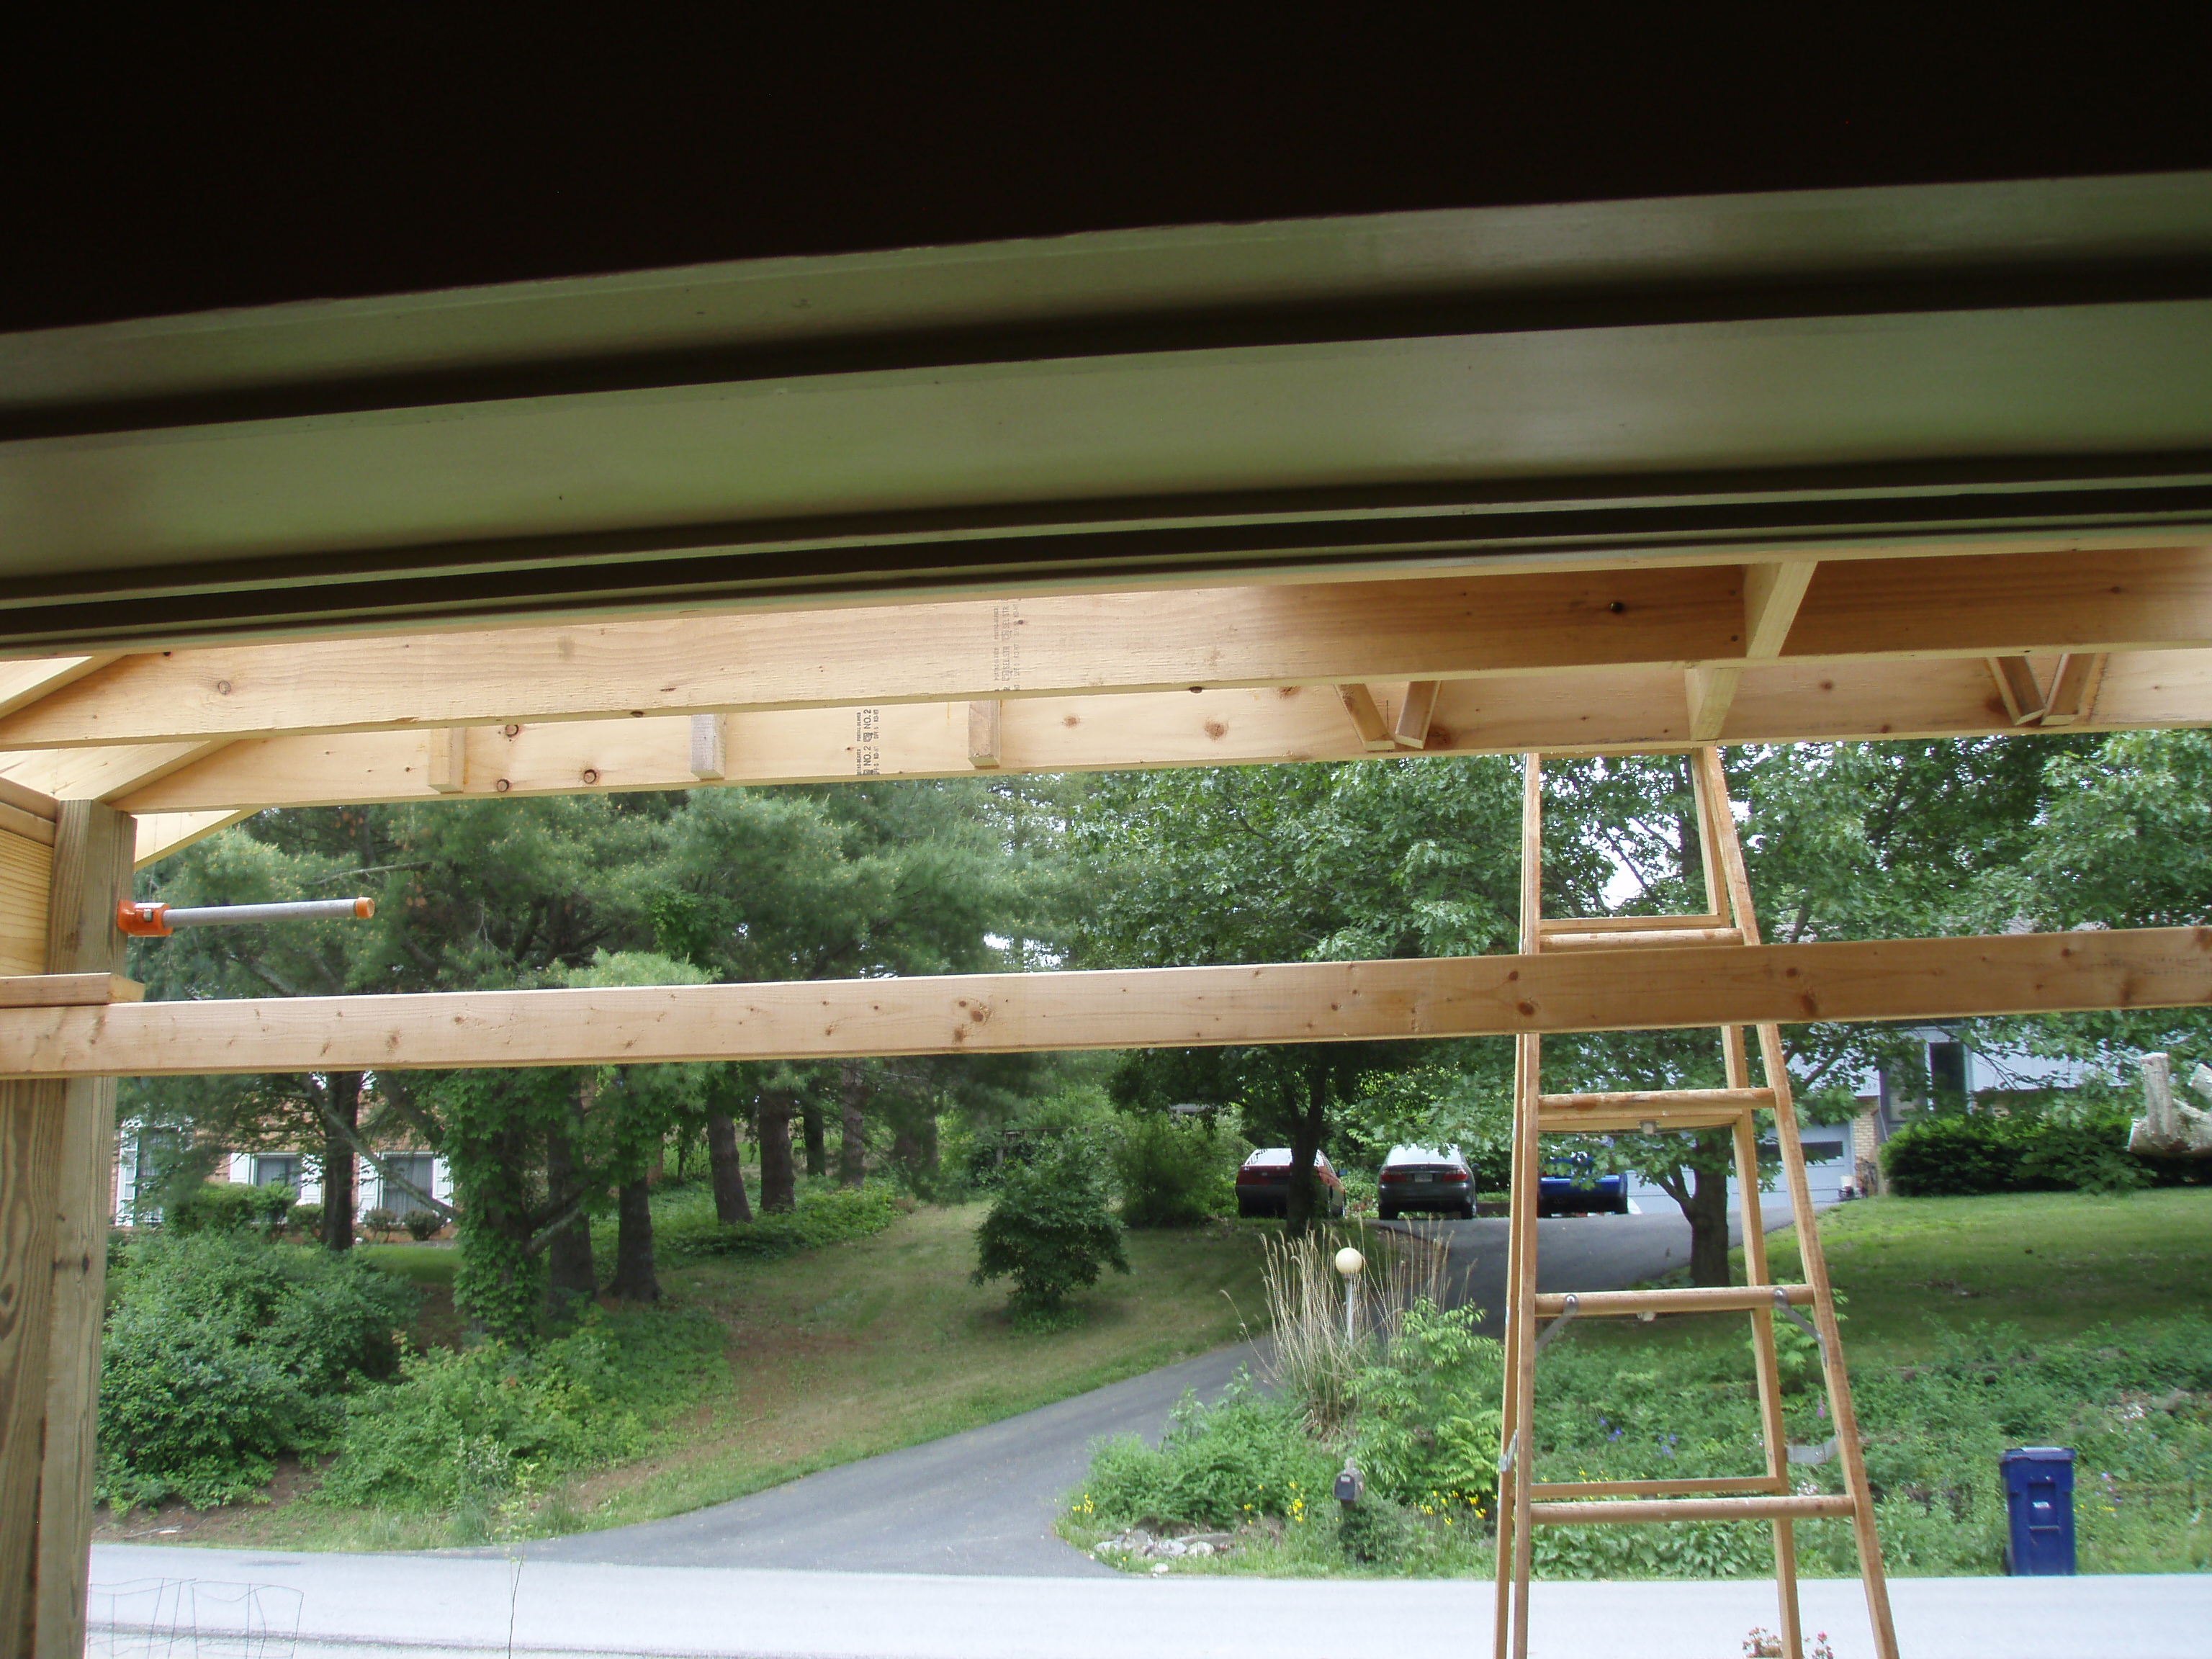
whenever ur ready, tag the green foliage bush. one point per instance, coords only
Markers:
(1175, 1171)
(1960, 1157)
(421, 1224)
(306, 1219)
(224, 1353)
(684, 1225)
(226, 1207)
(1049, 1229)
(464, 1427)
(1217, 1466)
(1427, 1414)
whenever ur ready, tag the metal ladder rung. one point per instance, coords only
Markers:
(1718, 1298)
(1652, 939)
(1735, 1483)
(1820, 1506)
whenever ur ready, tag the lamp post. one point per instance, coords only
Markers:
(1349, 1261)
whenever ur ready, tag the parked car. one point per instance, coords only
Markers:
(1437, 1180)
(1570, 1184)
(1263, 1184)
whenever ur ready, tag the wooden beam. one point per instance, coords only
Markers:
(1367, 632)
(27, 874)
(1174, 1007)
(160, 834)
(24, 683)
(1414, 714)
(1771, 595)
(710, 747)
(2016, 688)
(2074, 688)
(986, 719)
(1630, 710)
(71, 1134)
(446, 757)
(67, 990)
(100, 773)
(1367, 719)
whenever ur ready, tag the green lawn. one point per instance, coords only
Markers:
(835, 1354)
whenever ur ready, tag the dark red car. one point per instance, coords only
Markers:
(1263, 1184)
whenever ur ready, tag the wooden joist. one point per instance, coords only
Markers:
(1625, 710)
(1366, 632)
(67, 990)
(1160, 1007)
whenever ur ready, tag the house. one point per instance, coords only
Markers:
(144, 1152)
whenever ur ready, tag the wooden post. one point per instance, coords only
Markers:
(54, 1195)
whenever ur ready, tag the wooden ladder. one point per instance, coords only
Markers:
(1524, 1504)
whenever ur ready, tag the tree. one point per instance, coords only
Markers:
(1298, 863)
(1049, 1229)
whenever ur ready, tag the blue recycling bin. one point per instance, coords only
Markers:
(2039, 1505)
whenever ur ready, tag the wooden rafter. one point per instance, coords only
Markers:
(1298, 1002)
(1368, 634)
(1624, 710)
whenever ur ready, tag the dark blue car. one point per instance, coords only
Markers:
(1570, 1184)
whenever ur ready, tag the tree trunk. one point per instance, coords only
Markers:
(1701, 1191)
(634, 1279)
(340, 1166)
(1304, 1205)
(570, 1278)
(852, 1146)
(809, 1118)
(779, 1181)
(730, 1202)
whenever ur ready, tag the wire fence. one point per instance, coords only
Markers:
(191, 1618)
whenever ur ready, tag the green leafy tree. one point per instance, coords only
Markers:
(1049, 1229)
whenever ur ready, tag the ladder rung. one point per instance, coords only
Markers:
(1692, 1509)
(1619, 1123)
(1627, 1112)
(1649, 939)
(1736, 1483)
(1715, 1298)
(1625, 924)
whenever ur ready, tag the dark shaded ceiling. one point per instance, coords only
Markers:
(151, 174)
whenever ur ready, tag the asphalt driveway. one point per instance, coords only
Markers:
(983, 1502)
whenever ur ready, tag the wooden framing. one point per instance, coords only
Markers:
(1283, 1002)
(1596, 478)
(56, 1139)
(1717, 618)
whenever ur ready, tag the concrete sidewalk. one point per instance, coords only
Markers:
(427, 1606)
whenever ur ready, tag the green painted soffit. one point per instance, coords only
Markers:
(1965, 360)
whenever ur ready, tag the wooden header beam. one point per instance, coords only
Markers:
(1631, 710)
(1714, 619)
(1169, 1007)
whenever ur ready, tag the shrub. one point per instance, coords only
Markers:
(380, 1221)
(220, 1206)
(420, 1224)
(1428, 1420)
(1374, 1530)
(686, 1226)
(1175, 1172)
(307, 1219)
(1215, 1466)
(462, 1427)
(224, 1354)
(1049, 1230)
(1960, 1157)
